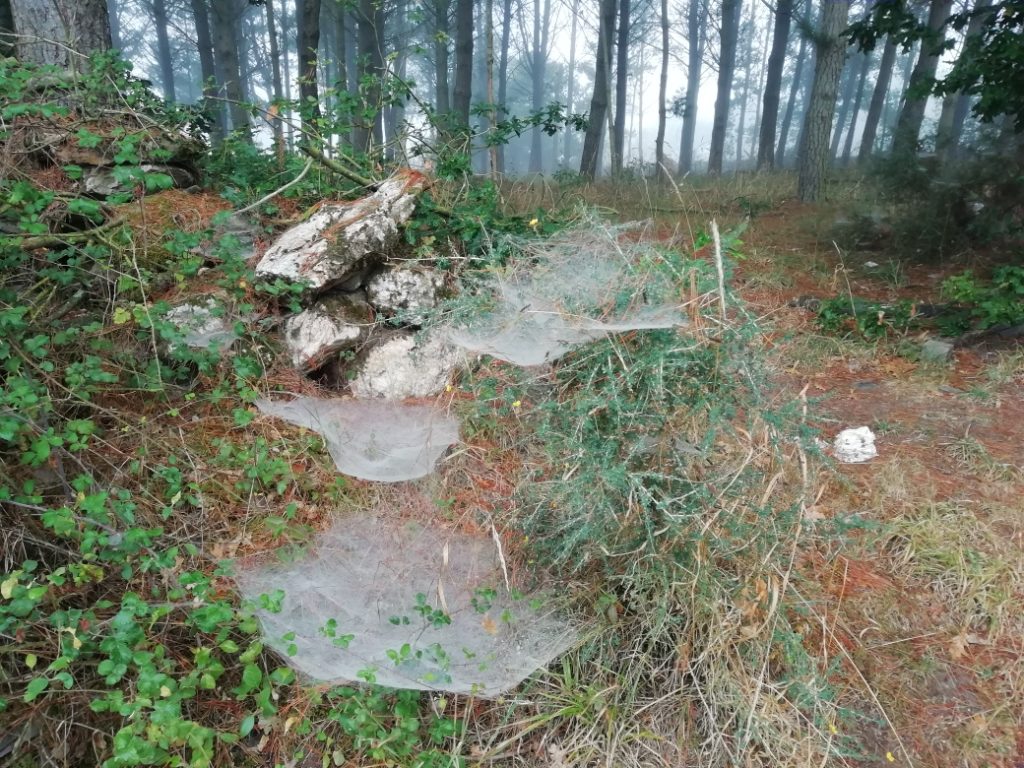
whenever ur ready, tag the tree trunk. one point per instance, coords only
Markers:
(908, 126)
(696, 24)
(982, 12)
(368, 128)
(867, 141)
(726, 66)
(828, 68)
(112, 17)
(760, 88)
(163, 48)
(79, 25)
(442, 92)
(308, 45)
(489, 41)
(773, 85)
(794, 89)
(745, 61)
(7, 29)
(538, 70)
(659, 143)
(462, 92)
(201, 19)
(590, 158)
(570, 97)
(506, 34)
(849, 82)
(225, 16)
(394, 114)
(862, 79)
(621, 84)
(275, 72)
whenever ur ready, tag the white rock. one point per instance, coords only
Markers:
(337, 240)
(406, 366)
(406, 292)
(855, 446)
(200, 327)
(327, 328)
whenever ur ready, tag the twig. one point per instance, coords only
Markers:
(52, 241)
(718, 266)
(335, 166)
(278, 191)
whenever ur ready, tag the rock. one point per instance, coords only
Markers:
(200, 326)
(341, 238)
(102, 181)
(331, 326)
(406, 292)
(855, 446)
(405, 366)
(936, 351)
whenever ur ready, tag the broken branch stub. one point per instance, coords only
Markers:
(340, 238)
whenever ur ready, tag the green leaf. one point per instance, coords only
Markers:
(35, 687)
(247, 725)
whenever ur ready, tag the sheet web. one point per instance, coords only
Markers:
(405, 600)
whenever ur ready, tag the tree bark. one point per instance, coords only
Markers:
(794, 89)
(726, 67)
(115, 24)
(745, 61)
(225, 15)
(621, 84)
(463, 90)
(506, 34)
(773, 85)
(7, 29)
(275, 74)
(867, 141)
(442, 103)
(982, 11)
(828, 68)
(367, 131)
(590, 158)
(201, 19)
(80, 25)
(163, 48)
(538, 70)
(862, 79)
(570, 97)
(696, 24)
(908, 126)
(849, 82)
(659, 143)
(308, 45)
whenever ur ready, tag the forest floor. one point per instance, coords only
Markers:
(925, 619)
(926, 599)
(920, 606)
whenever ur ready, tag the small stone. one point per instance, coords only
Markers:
(406, 366)
(200, 327)
(331, 326)
(855, 446)
(936, 351)
(405, 292)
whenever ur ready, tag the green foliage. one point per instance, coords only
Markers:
(990, 66)
(870, 320)
(985, 304)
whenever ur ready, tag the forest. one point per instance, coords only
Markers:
(527, 383)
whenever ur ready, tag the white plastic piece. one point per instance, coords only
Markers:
(855, 446)
(372, 440)
(404, 603)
